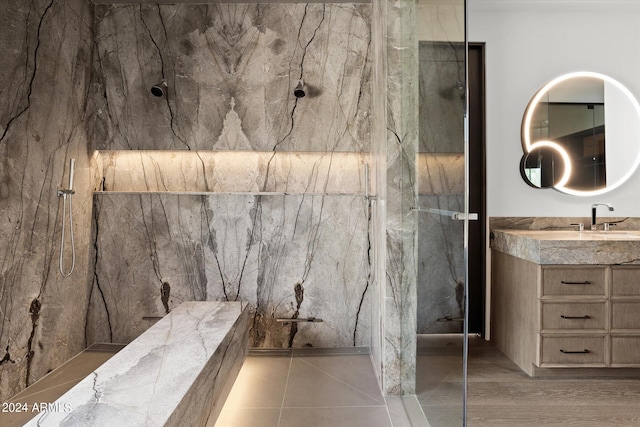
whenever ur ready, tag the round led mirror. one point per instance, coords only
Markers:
(581, 135)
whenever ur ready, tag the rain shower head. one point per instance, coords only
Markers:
(159, 89)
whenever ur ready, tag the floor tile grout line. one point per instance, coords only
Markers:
(284, 393)
(35, 393)
(347, 384)
(386, 406)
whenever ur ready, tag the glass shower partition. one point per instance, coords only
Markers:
(443, 213)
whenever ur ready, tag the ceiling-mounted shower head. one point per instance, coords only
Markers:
(159, 89)
(300, 90)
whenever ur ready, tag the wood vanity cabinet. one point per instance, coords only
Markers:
(565, 316)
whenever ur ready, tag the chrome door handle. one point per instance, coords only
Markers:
(460, 216)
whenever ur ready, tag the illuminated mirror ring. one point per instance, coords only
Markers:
(563, 155)
(528, 145)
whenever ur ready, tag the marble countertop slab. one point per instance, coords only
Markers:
(146, 381)
(569, 247)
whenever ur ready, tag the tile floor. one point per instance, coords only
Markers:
(341, 390)
(58, 382)
(309, 391)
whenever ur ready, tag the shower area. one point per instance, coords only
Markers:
(258, 152)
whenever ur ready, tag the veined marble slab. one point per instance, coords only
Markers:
(286, 255)
(230, 71)
(569, 247)
(174, 374)
(440, 279)
(46, 70)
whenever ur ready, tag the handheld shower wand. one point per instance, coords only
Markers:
(72, 166)
(64, 193)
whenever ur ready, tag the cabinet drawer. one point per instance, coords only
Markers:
(573, 316)
(573, 281)
(625, 281)
(573, 350)
(625, 350)
(624, 315)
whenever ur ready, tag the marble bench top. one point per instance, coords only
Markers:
(146, 381)
(547, 247)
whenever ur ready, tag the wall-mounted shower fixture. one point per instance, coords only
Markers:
(367, 183)
(300, 90)
(286, 320)
(68, 193)
(159, 89)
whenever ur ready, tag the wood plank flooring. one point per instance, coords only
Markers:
(500, 394)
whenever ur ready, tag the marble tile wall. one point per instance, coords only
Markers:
(441, 86)
(440, 282)
(441, 20)
(44, 77)
(440, 266)
(288, 256)
(230, 71)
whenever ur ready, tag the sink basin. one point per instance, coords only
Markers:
(578, 235)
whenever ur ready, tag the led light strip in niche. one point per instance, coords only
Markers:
(526, 132)
(234, 172)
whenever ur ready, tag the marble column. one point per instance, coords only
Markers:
(395, 148)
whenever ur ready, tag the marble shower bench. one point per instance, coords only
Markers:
(177, 373)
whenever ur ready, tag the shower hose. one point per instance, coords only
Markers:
(73, 244)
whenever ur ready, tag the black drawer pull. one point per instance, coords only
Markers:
(585, 351)
(568, 282)
(586, 316)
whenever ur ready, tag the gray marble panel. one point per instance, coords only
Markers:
(440, 267)
(441, 86)
(399, 161)
(44, 77)
(287, 256)
(440, 173)
(230, 71)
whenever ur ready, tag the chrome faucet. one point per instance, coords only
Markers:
(594, 225)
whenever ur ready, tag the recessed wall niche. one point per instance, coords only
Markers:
(250, 172)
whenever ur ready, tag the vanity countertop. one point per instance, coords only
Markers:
(569, 246)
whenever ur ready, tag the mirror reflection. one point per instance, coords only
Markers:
(542, 167)
(575, 125)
